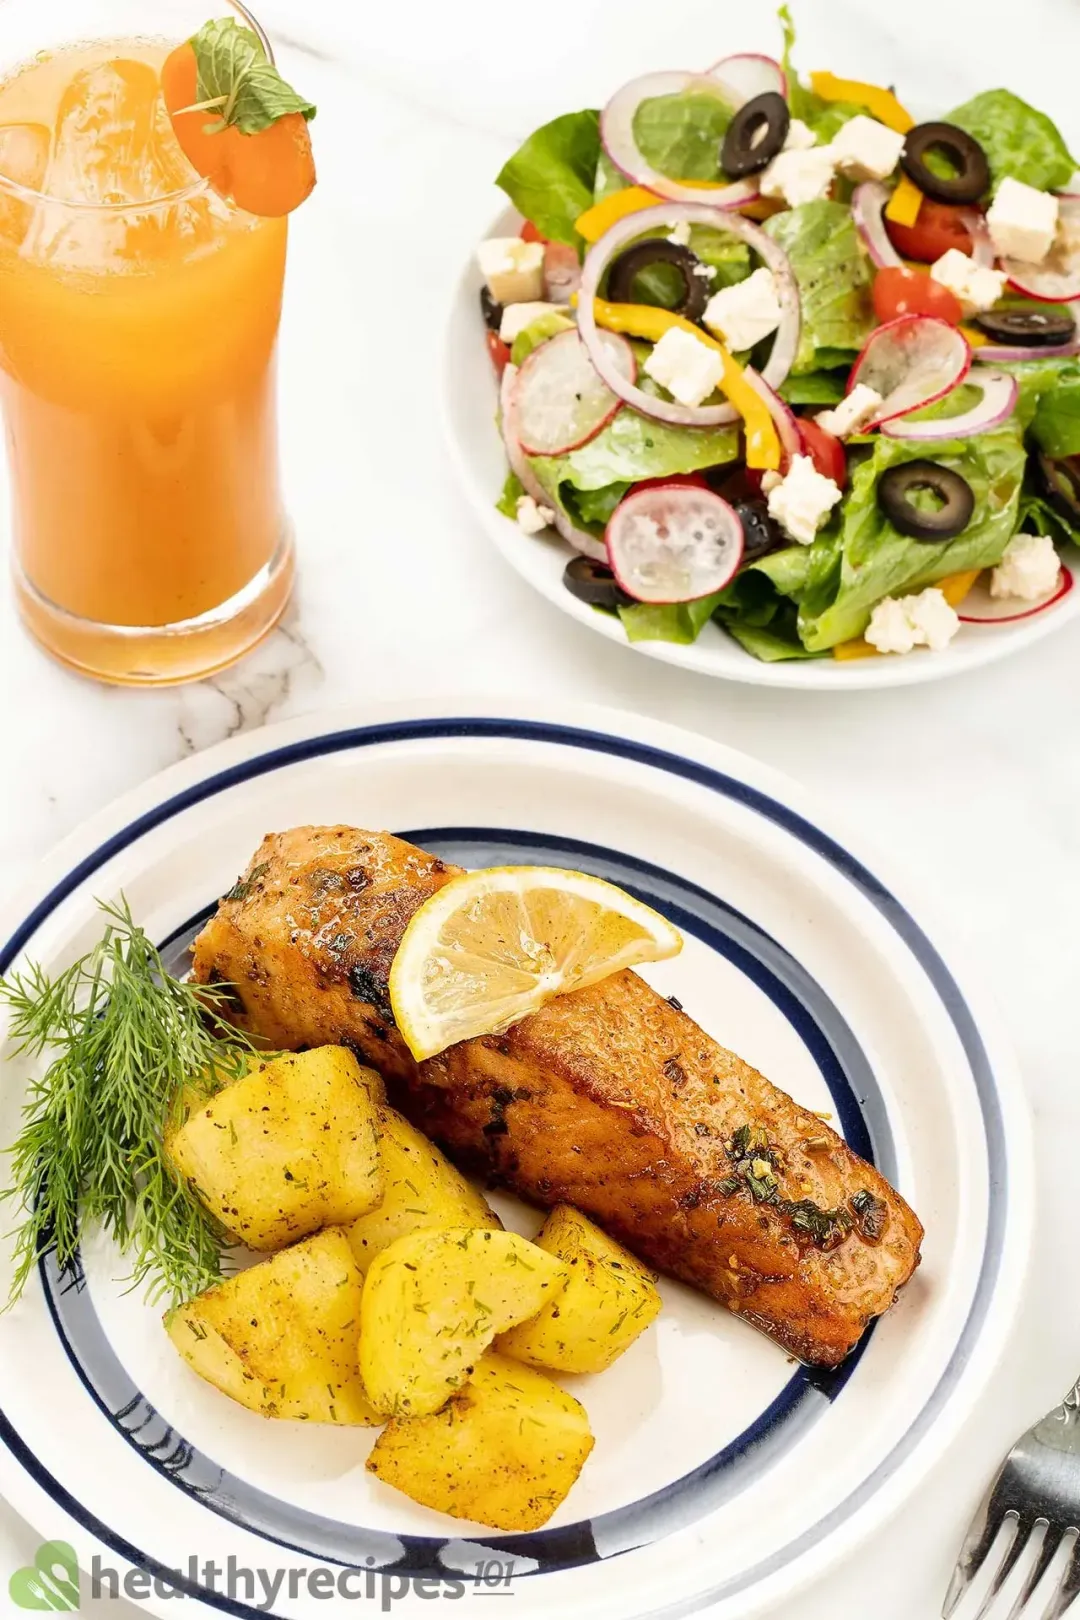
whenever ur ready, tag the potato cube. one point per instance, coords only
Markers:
(433, 1302)
(290, 1148)
(609, 1299)
(282, 1338)
(504, 1452)
(421, 1189)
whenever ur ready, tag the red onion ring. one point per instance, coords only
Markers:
(868, 206)
(982, 249)
(629, 229)
(748, 74)
(999, 396)
(784, 418)
(620, 143)
(580, 539)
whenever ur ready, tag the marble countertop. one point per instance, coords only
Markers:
(973, 784)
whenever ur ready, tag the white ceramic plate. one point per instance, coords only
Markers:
(723, 1473)
(469, 405)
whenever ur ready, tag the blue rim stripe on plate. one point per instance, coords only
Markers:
(715, 781)
(787, 1416)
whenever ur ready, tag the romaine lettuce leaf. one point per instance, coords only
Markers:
(589, 482)
(681, 135)
(512, 491)
(550, 177)
(681, 622)
(608, 179)
(1055, 426)
(861, 558)
(815, 388)
(1018, 140)
(823, 249)
(1037, 516)
(823, 117)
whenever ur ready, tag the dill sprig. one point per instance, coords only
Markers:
(126, 1040)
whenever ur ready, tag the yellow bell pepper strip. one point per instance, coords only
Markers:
(972, 337)
(954, 587)
(650, 322)
(598, 219)
(904, 204)
(878, 101)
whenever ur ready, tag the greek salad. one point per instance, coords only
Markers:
(774, 355)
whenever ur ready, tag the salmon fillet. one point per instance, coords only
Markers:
(610, 1098)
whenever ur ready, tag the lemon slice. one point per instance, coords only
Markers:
(493, 946)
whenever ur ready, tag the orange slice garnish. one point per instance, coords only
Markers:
(268, 173)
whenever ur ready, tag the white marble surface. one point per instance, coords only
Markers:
(974, 784)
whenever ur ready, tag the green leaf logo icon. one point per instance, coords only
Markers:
(51, 1582)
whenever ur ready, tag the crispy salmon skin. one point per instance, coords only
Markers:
(610, 1099)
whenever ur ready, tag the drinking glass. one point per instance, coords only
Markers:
(138, 325)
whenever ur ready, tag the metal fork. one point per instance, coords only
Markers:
(1038, 1487)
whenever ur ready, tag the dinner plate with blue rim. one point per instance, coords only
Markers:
(725, 1475)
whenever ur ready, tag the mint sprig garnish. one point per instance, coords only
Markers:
(237, 80)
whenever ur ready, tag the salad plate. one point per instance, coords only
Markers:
(715, 389)
(724, 1475)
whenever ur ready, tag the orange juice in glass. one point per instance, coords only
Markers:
(139, 314)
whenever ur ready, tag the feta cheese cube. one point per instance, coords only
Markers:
(1030, 568)
(747, 312)
(901, 623)
(800, 137)
(686, 367)
(516, 317)
(680, 233)
(531, 516)
(802, 500)
(976, 288)
(865, 149)
(852, 414)
(890, 630)
(1022, 221)
(799, 177)
(512, 268)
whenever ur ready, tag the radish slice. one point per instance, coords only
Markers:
(979, 607)
(560, 402)
(868, 206)
(784, 419)
(620, 143)
(1057, 279)
(911, 361)
(580, 539)
(999, 396)
(674, 543)
(743, 77)
(662, 218)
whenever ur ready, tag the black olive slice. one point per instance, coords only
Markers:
(1028, 326)
(591, 582)
(755, 135)
(490, 309)
(972, 178)
(897, 487)
(760, 534)
(658, 250)
(1060, 480)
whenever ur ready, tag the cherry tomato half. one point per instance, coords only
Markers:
(899, 291)
(824, 450)
(529, 233)
(499, 352)
(938, 228)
